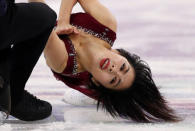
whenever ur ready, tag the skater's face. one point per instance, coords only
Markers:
(114, 72)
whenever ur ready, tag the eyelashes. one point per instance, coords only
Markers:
(113, 80)
(122, 67)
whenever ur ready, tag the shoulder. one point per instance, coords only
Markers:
(88, 20)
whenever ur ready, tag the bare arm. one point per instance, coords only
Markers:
(64, 26)
(99, 12)
(55, 52)
(65, 10)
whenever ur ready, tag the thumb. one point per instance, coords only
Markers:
(57, 30)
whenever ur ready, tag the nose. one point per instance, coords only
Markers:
(114, 69)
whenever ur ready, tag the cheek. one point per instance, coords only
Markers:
(102, 77)
(118, 60)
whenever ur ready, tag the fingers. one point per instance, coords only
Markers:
(76, 31)
(68, 29)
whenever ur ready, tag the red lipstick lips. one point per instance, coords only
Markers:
(104, 63)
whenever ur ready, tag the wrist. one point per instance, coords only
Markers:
(63, 21)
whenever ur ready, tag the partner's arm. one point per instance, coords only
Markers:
(99, 12)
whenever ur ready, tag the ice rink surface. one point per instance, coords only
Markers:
(162, 32)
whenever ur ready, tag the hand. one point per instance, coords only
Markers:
(66, 29)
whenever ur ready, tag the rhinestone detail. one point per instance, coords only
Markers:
(99, 35)
(73, 54)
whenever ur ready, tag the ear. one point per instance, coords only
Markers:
(95, 82)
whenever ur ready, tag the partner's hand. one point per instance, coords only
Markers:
(66, 29)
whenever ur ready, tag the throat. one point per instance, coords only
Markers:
(88, 49)
(89, 56)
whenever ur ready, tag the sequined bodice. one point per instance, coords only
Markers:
(88, 24)
(91, 26)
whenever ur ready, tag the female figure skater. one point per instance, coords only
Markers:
(81, 56)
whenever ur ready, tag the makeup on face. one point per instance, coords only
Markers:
(104, 63)
(114, 72)
(116, 80)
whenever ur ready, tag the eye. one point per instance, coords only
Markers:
(122, 67)
(113, 80)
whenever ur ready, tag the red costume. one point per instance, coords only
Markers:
(70, 76)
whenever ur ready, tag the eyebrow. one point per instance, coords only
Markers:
(117, 83)
(120, 79)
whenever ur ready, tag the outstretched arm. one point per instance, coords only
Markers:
(99, 12)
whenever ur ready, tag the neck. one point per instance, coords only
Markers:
(89, 54)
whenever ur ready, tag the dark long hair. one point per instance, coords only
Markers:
(141, 102)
